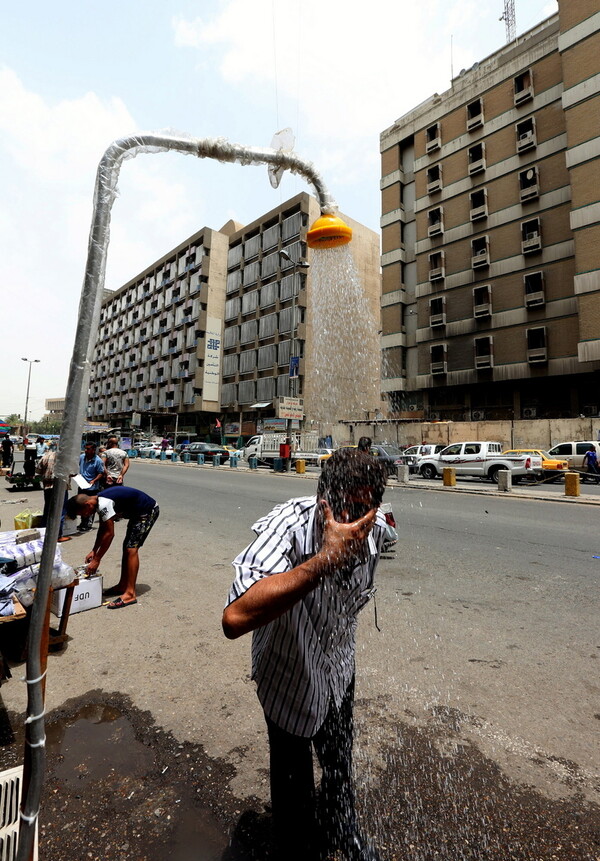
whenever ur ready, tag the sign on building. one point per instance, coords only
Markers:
(135, 420)
(212, 359)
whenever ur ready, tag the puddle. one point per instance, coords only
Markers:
(94, 744)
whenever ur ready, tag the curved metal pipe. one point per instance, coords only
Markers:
(76, 401)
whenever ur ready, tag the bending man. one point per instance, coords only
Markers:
(112, 504)
(299, 586)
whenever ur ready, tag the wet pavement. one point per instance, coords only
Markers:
(119, 787)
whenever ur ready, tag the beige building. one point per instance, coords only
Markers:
(55, 408)
(491, 234)
(208, 331)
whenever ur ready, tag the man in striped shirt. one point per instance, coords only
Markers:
(299, 586)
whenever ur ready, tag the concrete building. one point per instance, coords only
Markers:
(207, 332)
(55, 408)
(491, 234)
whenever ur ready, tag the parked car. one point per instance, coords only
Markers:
(410, 455)
(209, 450)
(324, 454)
(483, 459)
(553, 467)
(148, 448)
(389, 454)
(573, 452)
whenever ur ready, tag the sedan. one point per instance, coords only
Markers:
(553, 467)
(389, 455)
(209, 450)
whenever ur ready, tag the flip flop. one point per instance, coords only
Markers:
(112, 590)
(119, 603)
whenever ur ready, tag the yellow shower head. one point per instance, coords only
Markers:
(328, 231)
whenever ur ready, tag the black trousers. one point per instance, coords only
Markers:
(302, 821)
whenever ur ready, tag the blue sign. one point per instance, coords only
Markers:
(294, 366)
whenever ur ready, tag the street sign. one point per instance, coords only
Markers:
(290, 408)
(294, 367)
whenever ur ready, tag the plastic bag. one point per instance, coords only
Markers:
(23, 520)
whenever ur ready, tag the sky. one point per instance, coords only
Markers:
(76, 75)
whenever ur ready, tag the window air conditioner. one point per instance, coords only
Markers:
(529, 412)
(477, 415)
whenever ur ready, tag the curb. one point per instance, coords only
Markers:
(413, 484)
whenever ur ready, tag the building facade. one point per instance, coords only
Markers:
(490, 235)
(211, 330)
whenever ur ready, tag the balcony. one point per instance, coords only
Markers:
(525, 141)
(434, 185)
(474, 122)
(538, 355)
(535, 298)
(480, 258)
(530, 192)
(478, 212)
(436, 228)
(524, 95)
(438, 367)
(476, 166)
(484, 361)
(433, 144)
(532, 242)
(482, 309)
(437, 273)
(437, 319)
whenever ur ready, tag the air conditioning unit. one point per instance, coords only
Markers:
(477, 415)
(434, 416)
(413, 407)
(529, 412)
(10, 797)
(525, 141)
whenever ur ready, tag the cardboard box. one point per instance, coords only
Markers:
(86, 596)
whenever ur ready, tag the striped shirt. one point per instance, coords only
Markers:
(306, 656)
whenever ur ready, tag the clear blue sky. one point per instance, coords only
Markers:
(75, 75)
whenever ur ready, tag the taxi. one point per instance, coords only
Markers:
(553, 467)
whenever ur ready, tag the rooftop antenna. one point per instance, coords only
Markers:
(510, 21)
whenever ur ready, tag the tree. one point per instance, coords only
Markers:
(13, 420)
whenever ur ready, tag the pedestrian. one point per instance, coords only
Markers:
(299, 587)
(45, 468)
(590, 459)
(365, 443)
(164, 445)
(91, 467)
(7, 451)
(40, 447)
(116, 462)
(114, 503)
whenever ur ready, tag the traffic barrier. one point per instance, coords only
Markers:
(278, 464)
(132, 452)
(505, 480)
(253, 463)
(572, 484)
(233, 461)
(403, 473)
(449, 476)
(216, 460)
(163, 455)
(200, 459)
(300, 467)
(143, 454)
(153, 454)
(185, 457)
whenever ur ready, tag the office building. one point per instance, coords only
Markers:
(491, 234)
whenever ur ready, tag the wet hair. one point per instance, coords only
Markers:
(364, 444)
(111, 440)
(346, 472)
(76, 503)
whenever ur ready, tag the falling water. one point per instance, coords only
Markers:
(344, 367)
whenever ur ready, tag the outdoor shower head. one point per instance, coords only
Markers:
(328, 231)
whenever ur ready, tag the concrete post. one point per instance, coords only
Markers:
(571, 484)
(505, 480)
(300, 467)
(403, 473)
(449, 476)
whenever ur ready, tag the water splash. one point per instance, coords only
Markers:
(343, 371)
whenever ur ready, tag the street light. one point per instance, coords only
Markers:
(31, 362)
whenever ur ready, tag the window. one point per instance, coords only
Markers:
(529, 185)
(476, 158)
(536, 345)
(438, 359)
(268, 294)
(525, 132)
(533, 283)
(523, 85)
(436, 266)
(480, 252)
(478, 204)
(232, 308)
(482, 301)
(531, 236)
(252, 246)
(437, 311)
(484, 354)
(432, 138)
(434, 179)
(435, 221)
(474, 114)
(453, 449)
(247, 361)
(472, 448)
(249, 302)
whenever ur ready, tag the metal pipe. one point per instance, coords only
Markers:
(76, 401)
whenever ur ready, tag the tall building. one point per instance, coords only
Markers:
(209, 330)
(491, 234)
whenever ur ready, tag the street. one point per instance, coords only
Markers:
(483, 674)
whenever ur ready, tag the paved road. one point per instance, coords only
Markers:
(488, 630)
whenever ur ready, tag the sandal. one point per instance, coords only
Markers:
(119, 603)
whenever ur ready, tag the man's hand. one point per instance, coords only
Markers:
(91, 555)
(120, 480)
(343, 541)
(92, 565)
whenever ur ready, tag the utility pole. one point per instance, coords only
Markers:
(31, 362)
(510, 21)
